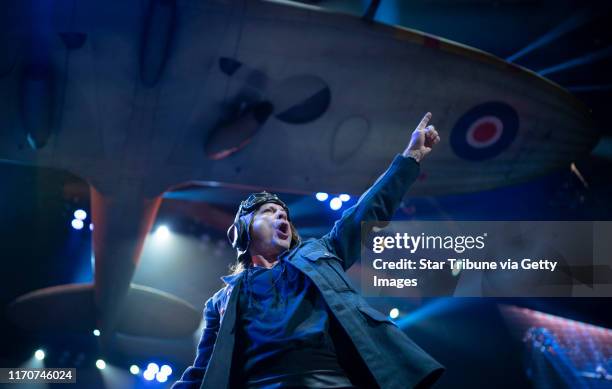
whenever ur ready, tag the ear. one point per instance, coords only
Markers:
(244, 231)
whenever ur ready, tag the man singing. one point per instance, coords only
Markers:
(288, 317)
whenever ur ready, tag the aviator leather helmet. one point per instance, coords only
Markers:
(238, 232)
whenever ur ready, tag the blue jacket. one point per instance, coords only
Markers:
(393, 359)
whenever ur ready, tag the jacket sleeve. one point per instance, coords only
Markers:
(378, 203)
(193, 375)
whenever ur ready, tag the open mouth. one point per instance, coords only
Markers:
(282, 230)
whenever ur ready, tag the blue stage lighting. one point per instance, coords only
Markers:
(80, 214)
(160, 377)
(335, 203)
(165, 369)
(39, 354)
(77, 224)
(154, 367)
(162, 234)
(321, 196)
(148, 375)
(394, 313)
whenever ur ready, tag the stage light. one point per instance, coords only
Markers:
(456, 270)
(90, 226)
(153, 367)
(148, 375)
(96, 332)
(39, 354)
(77, 224)
(162, 233)
(165, 369)
(134, 369)
(80, 214)
(344, 197)
(160, 377)
(335, 203)
(100, 364)
(321, 196)
(394, 313)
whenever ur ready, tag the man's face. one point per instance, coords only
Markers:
(270, 231)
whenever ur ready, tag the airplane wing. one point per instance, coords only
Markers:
(125, 91)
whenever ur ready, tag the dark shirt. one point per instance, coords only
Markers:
(283, 337)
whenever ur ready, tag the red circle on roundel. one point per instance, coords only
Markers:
(484, 132)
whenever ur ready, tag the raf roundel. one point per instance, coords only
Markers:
(484, 131)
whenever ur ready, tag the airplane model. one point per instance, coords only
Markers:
(139, 98)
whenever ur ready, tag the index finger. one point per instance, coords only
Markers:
(424, 121)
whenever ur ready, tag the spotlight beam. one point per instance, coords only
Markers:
(370, 12)
(568, 25)
(432, 308)
(590, 88)
(583, 60)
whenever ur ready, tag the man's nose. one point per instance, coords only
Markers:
(281, 215)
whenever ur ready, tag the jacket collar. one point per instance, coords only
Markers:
(232, 279)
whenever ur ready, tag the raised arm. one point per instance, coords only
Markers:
(193, 375)
(382, 199)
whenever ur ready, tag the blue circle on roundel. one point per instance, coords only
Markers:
(485, 131)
